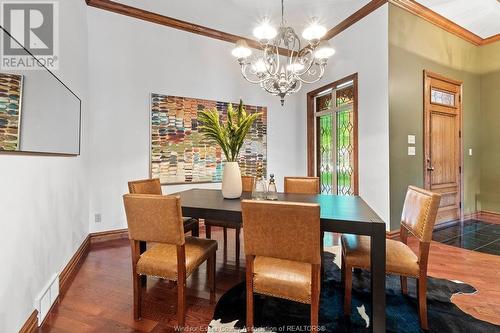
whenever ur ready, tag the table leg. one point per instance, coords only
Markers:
(377, 251)
(322, 254)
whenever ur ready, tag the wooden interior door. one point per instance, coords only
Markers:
(442, 143)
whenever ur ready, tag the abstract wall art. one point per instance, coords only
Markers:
(181, 154)
(11, 87)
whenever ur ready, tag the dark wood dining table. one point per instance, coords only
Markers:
(341, 214)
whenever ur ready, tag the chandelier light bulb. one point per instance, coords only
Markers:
(314, 32)
(241, 50)
(324, 50)
(259, 66)
(265, 31)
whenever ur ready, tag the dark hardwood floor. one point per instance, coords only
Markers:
(100, 297)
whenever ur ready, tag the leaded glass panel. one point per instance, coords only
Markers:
(326, 153)
(345, 152)
(345, 95)
(442, 97)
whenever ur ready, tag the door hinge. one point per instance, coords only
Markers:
(460, 205)
(459, 134)
(459, 169)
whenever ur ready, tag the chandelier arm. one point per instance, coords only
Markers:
(320, 75)
(270, 90)
(278, 65)
(297, 88)
(269, 66)
(309, 56)
(246, 77)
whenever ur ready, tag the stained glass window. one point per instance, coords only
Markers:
(326, 153)
(345, 95)
(442, 97)
(335, 139)
(345, 152)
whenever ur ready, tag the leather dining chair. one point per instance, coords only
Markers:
(247, 186)
(153, 186)
(158, 219)
(302, 185)
(418, 219)
(282, 253)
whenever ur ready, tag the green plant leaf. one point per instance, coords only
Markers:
(229, 135)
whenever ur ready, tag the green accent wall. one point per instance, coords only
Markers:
(416, 45)
(490, 141)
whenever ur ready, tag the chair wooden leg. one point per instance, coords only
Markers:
(208, 231)
(144, 278)
(181, 285)
(422, 301)
(225, 237)
(137, 296)
(315, 293)
(211, 276)
(237, 235)
(249, 287)
(347, 290)
(404, 285)
(181, 303)
(342, 270)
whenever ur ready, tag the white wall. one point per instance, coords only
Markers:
(128, 60)
(44, 199)
(363, 49)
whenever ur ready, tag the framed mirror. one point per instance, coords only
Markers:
(38, 112)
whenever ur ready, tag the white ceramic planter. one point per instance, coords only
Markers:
(231, 181)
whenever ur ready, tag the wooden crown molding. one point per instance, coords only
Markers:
(145, 15)
(358, 15)
(408, 5)
(442, 22)
(491, 39)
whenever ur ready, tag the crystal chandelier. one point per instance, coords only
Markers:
(282, 66)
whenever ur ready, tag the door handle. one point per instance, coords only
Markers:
(429, 166)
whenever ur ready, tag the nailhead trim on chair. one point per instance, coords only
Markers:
(288, 298)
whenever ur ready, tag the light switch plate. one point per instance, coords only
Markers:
(411, 139)
(411, 151)
(470, 151)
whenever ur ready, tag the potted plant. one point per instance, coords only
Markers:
(230, 136)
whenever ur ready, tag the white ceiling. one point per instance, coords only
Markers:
(481, 17)
(239, 17)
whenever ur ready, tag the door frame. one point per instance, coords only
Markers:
(426, 92)
(312, 145)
